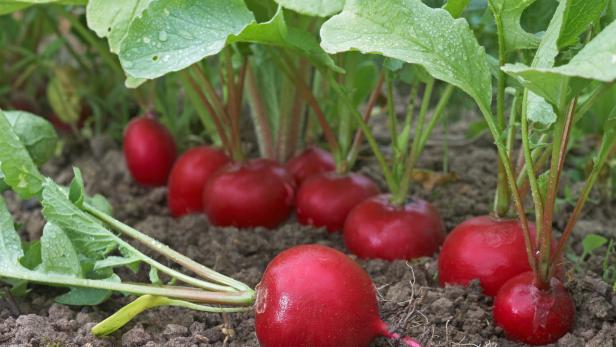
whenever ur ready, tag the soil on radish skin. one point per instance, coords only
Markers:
(409, 297)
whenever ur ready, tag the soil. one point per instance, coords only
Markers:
(410, 299)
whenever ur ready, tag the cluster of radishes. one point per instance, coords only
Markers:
(492, 250)
(261, 192)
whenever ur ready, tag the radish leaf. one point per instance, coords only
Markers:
(58, 255)
(320, 8)
(16, 165)
(412, 32)
(36, 134)
(456, 7)
(596, 61)
(86, 233)
(111, 19)
(76, 190)
(507, 13)
(276, 32)
(171, 35)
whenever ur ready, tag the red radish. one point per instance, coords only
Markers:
(188, 177)
(326, 199)
(312, 295)
(149, 151)
(532, 315)
(310, 162)
(484, 248)
(377, 229)
(254, 193)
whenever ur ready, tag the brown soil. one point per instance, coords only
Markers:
(410, 298)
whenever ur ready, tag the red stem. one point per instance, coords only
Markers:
(232, 106)
(211, 91)
(260, 113)
(554, 181)
(215, 118)
(383, 330)
(295, 126)
(314, 105)
(358, 138)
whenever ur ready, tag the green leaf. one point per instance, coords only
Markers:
(415, 33)
(456, 7)
(579, 15)
(58, 254)
(320, 8)
(16, 165)
(275, 32)
(507, 13)
(32, 254)
(539, 110)
(80, 296)
(10, 6)
(596, 61)
(592, 242)
(36, 134)
(86, 233)
(76, 191)
(100, 203)
(111, 19)
(171, 34)
(153, 274)
(131, 261)
(10, 244)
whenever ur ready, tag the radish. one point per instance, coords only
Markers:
(255, 193)
(536, 316)
(310, 162)
(484, 248)
(149, 151)
(188, 177)
(326, 199)
(312, 295)
(377, 229)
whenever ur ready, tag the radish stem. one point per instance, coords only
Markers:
(389, 179)
(144, 302)
(259, 112)
(501, 199)
(165, 250)
(357, 140)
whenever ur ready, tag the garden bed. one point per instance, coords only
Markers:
(409, 296)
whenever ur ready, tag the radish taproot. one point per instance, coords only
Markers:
(484, 248)
(377, 229)
(533, 315)
(310, 162)
(313, 295)
(149, 151)
(326, 199)
(188, 177)
(255, 193)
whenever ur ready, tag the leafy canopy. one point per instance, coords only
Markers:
(410, 31)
